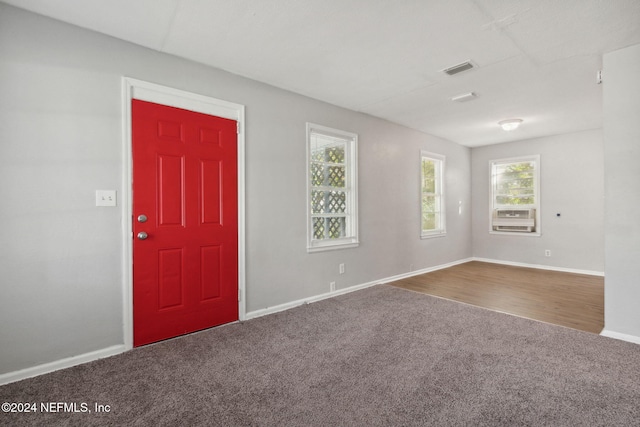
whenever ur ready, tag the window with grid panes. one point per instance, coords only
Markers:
(332, 188)
(432, 195)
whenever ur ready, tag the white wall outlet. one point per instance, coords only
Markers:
(332, 286)
(341, 268)
(106, 198)
(547, 252)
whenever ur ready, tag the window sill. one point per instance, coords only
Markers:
(432, 235)
(515, 233)
(332, 246)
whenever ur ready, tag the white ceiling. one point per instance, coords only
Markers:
(537, 59)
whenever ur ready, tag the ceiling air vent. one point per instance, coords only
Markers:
(464, 66)
(465, 97)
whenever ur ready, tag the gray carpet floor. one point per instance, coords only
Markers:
(381, 356)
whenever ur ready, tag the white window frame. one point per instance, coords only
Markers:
(440, 162)
(536, 186)
(350, 239)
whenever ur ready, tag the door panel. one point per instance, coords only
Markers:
(171, 197)
(185, 182)
(210, 197)
(210, 265)
(170, 285)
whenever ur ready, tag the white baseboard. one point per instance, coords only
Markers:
(117, 349)
(60, 364)
(424, 270)
(540, 266)
(288, 305)
(315, 298)
(619, 336)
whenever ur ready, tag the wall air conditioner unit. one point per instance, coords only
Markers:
(518, 220)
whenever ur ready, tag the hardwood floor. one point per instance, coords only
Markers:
(572, 300)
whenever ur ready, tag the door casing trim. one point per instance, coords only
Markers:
(146, 91)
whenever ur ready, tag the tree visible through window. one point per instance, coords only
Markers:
(332, 188)
(431, 194)
(514, 184)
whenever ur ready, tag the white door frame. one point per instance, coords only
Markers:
(145, 91)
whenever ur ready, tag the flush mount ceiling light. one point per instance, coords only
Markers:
(510, 124)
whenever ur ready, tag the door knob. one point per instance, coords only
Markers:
(142, 235)
(142, 218)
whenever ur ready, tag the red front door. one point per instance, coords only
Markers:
(185, 222)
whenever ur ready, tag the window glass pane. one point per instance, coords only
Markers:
(318, 144)
(428, 176)
(328, 176)
(428, 203)
(317, 174)
(328, 202)
(336, 176)
(329, 227)
(515, 168)
(509, 200)
(336, 227)
(327, 149)
(514, 183)
(317, 202)
(523, 186)
(430, 221)
(336, 201)
(318, 228)
(334, 154)
(515, 191)
(317, 154)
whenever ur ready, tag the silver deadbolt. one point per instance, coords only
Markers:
(142, 235)
(142, 218)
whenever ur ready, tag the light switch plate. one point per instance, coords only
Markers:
(106, 198)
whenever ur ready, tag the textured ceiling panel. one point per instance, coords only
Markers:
(347, 53)
(550, 30)
(144, 22)
(545, 97)
(536, 59)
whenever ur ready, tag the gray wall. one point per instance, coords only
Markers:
(571, 183)
(622, 183)
(61, 266)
